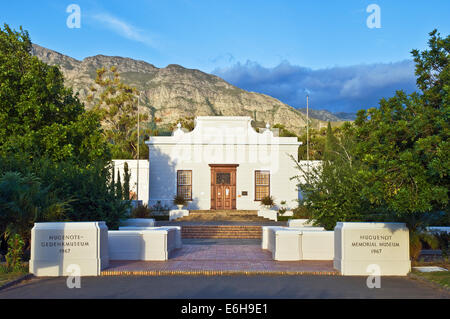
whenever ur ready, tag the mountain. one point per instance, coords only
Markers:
(343, 116)
(176, 92)
(325, 115)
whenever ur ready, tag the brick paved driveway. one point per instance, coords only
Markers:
(220, 258)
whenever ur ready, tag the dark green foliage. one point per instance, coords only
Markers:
(331, 144)
(116, 105)
(142, 211)
(85, 193)
(14, 255)
(92, 198)
(301, 212)
(405, 145)
(126, 181)
(316, 145)
(416, 241)
(331, 191)
(443, 239)
(119, 191)
(38, 115)
(393, 163)
(24, 200)
(53, 156)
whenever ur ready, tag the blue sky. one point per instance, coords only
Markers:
(280, 48)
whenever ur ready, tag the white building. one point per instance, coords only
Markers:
(222, 164)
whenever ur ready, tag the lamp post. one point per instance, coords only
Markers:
(137, 174)
(307, 131)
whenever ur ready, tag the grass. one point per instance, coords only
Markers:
(441, 278)
(6, 276)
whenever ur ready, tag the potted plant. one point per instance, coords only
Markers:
(283, 208)
(268, 202)
(179, 201)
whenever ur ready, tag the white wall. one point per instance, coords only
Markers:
(222, 140)
(133, 168)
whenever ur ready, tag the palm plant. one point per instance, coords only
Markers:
(179, 201)
(268, 201)
(24, 201)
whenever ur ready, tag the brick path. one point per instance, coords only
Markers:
(220, 260)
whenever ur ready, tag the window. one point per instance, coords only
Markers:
(184, 184)
(223, 178)
(262, 184)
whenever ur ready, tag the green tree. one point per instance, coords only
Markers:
(316, 145)
(331, 190)
(331, 144)
(116, 103)
(405, 142)
(392, 164)
(54, 160)
(126, 181)
(38, 115)
(24, 201)
(119, 190)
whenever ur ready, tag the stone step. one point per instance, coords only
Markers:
(250, 212)
(212, 236)
(223, 228)
(223, 219)
(227, 217)
(223, 215)
(221, 231)
(221, 237)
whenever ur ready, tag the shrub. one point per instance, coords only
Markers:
(301, 212)
(417, 239)
(85, 193)
(14, 255)
(159, 207)
(24, 200)
(282, 208)
(443, 240)
(142, 211)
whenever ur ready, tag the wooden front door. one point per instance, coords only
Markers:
(223, 186)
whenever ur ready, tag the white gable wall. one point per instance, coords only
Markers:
(222, 140)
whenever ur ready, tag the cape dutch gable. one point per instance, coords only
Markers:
(222, 164)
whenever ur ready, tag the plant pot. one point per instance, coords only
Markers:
(180, 207)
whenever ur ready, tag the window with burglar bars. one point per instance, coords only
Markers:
(262, 184)
(184, 184)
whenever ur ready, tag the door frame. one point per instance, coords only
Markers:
(232, 168)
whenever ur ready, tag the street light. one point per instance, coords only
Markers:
(138, 130)
(307, 131)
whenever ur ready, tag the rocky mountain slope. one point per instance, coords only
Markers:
(176, 92)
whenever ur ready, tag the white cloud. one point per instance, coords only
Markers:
(346, 89)
(123, 28)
